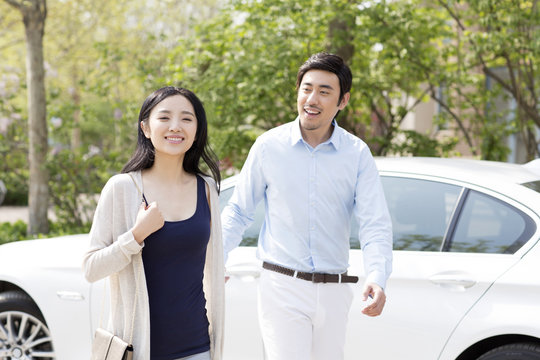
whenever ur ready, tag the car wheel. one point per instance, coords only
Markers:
(520, 351)
(23, 332)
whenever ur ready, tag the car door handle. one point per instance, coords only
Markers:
(453, 280)
(70, 295)
(244, 271)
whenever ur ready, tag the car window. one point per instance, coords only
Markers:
(421, 211)
(534, 185)
(251, 235)
(489, 225)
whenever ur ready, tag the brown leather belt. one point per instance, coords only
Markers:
(313, 277)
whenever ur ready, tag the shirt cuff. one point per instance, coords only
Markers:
(128, 244)
(378, 278)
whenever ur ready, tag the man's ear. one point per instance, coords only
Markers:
(344, 101)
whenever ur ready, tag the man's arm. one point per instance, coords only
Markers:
(375, 232)
(238, 215)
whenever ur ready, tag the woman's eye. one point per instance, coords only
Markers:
(163, 118)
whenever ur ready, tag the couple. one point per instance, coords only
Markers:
(313, 176)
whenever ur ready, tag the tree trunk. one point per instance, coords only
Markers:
(34, 14)
(38, 197)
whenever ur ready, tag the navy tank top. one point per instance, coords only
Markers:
(174, 258)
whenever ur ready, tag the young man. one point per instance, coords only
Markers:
(314, 176)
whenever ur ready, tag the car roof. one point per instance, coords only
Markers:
(467, 170)
(500, 177)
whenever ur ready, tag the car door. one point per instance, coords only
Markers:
(431, 290)
(242, 336)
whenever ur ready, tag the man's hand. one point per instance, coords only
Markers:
(379, 299)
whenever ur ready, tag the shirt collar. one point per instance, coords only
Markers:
(296, 135)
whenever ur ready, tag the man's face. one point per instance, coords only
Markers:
(317, 100)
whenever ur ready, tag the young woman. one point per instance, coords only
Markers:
(157, 236)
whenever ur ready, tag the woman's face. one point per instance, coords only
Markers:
(172, 126)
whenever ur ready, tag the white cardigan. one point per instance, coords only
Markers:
(114, 252)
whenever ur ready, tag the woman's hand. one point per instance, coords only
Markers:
(149, 220)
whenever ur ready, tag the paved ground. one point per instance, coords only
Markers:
(14, 213)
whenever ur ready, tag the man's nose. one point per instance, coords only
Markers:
(313, 98)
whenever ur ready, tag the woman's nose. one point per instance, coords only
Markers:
(175, 125)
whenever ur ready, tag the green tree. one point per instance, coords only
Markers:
(402, 54)
(473, 56)
(244, 64)
(501, 38)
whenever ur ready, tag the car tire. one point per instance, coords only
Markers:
(519, 351)
(23, 331)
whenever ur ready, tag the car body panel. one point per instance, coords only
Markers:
(51, 275)
(241, 319)
(427, 296)
(511, 306)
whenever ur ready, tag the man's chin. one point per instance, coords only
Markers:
(308, 125)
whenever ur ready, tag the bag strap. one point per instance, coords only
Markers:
(136, 285)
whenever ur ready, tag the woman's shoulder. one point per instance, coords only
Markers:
(124, 181)
(210, 182)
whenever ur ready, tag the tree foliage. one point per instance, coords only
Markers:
(100, 58)
(402, 54)
(476, 58)
(244, 64)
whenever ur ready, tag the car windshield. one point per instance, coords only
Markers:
(535, 185)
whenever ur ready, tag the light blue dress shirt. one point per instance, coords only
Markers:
(310, 196)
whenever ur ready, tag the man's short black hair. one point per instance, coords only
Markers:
(331, 63)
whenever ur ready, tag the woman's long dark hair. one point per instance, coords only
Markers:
(143, 158)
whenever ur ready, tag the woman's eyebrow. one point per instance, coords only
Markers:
(170, 112)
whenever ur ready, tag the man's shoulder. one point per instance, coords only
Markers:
(278, 134)
(351, 141)
(282, 129)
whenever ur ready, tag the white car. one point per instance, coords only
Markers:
(465, 283)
